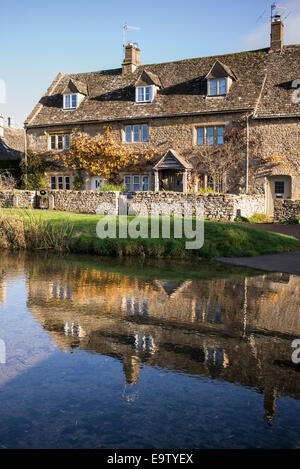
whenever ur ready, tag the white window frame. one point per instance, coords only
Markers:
(217, 80)
(144, 94)
(132, 133)
(70, 96)
(141, 177)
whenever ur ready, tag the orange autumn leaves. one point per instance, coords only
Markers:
(103, 156)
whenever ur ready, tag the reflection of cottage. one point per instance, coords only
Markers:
(2, 291)
(202, 328)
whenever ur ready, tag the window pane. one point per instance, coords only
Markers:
(128, 133)
(136, 183)
(145, 183)
(59, 142)
(127, 183)
(67, 182)
(141, 94)
(74, 100)
(136, 133)
(148, 93)
(210, 136)
(60, 182)
(222, 86)
(52, 142)
(213, 87)
(67, 101)
(210, 183)
(53, 182)
(67, 142)
(200, 136)
(220, 135)
(279, 187)
(145, 132)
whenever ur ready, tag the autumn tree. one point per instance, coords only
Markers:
(227, 162)
(103, 156)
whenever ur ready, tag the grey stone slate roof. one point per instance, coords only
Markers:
(263, 83)
(12, 143)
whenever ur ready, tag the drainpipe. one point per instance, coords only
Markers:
(25, 153)
(247, 152)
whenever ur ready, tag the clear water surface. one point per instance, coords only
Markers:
(128, 354)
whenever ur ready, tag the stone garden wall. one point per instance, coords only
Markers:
(84, 201)
(286, 209)
(225, 206)
(23, 199)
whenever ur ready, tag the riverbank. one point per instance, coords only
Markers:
(76, 233)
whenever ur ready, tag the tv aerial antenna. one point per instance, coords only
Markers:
(274, 13)
(125, 27)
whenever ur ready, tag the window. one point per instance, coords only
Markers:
(60, 182)
(67, 141)
(145, 183)
(279, 189)
(217, 87)
(60, 142)
(53, 182)
(210, 135)
(67, 183)
(136, 133)
(127, 182)
(144, 94)
(136, 183)
(70, 101)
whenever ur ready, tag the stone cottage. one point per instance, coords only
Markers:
(190, 102)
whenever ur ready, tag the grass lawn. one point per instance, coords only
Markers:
(220, 239)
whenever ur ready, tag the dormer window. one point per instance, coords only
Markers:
(73, 93)
(70, 101)
(219, 80)
(146, 87)
(217, 87)
(144, 94)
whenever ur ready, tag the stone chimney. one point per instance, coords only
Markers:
(1, 125)
(10, 122)
(276, 34)
(132, 59)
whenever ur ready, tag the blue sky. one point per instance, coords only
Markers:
(41, 38)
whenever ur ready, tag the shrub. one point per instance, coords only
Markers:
(113, 187)
(77, 183)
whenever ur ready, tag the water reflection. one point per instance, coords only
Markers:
(235, 330)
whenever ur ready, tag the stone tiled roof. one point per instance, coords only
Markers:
(263, 83)
(12, 143)
(282, 70)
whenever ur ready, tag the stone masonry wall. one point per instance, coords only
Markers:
(23, 199)
(286, 209)
(85, 201)
(225, 206)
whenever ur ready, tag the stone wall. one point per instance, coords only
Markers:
(6, 199)
(226, 206)
(84, 201)
(286, 209)
(23, 199)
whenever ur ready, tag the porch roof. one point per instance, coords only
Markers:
(171, 160)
